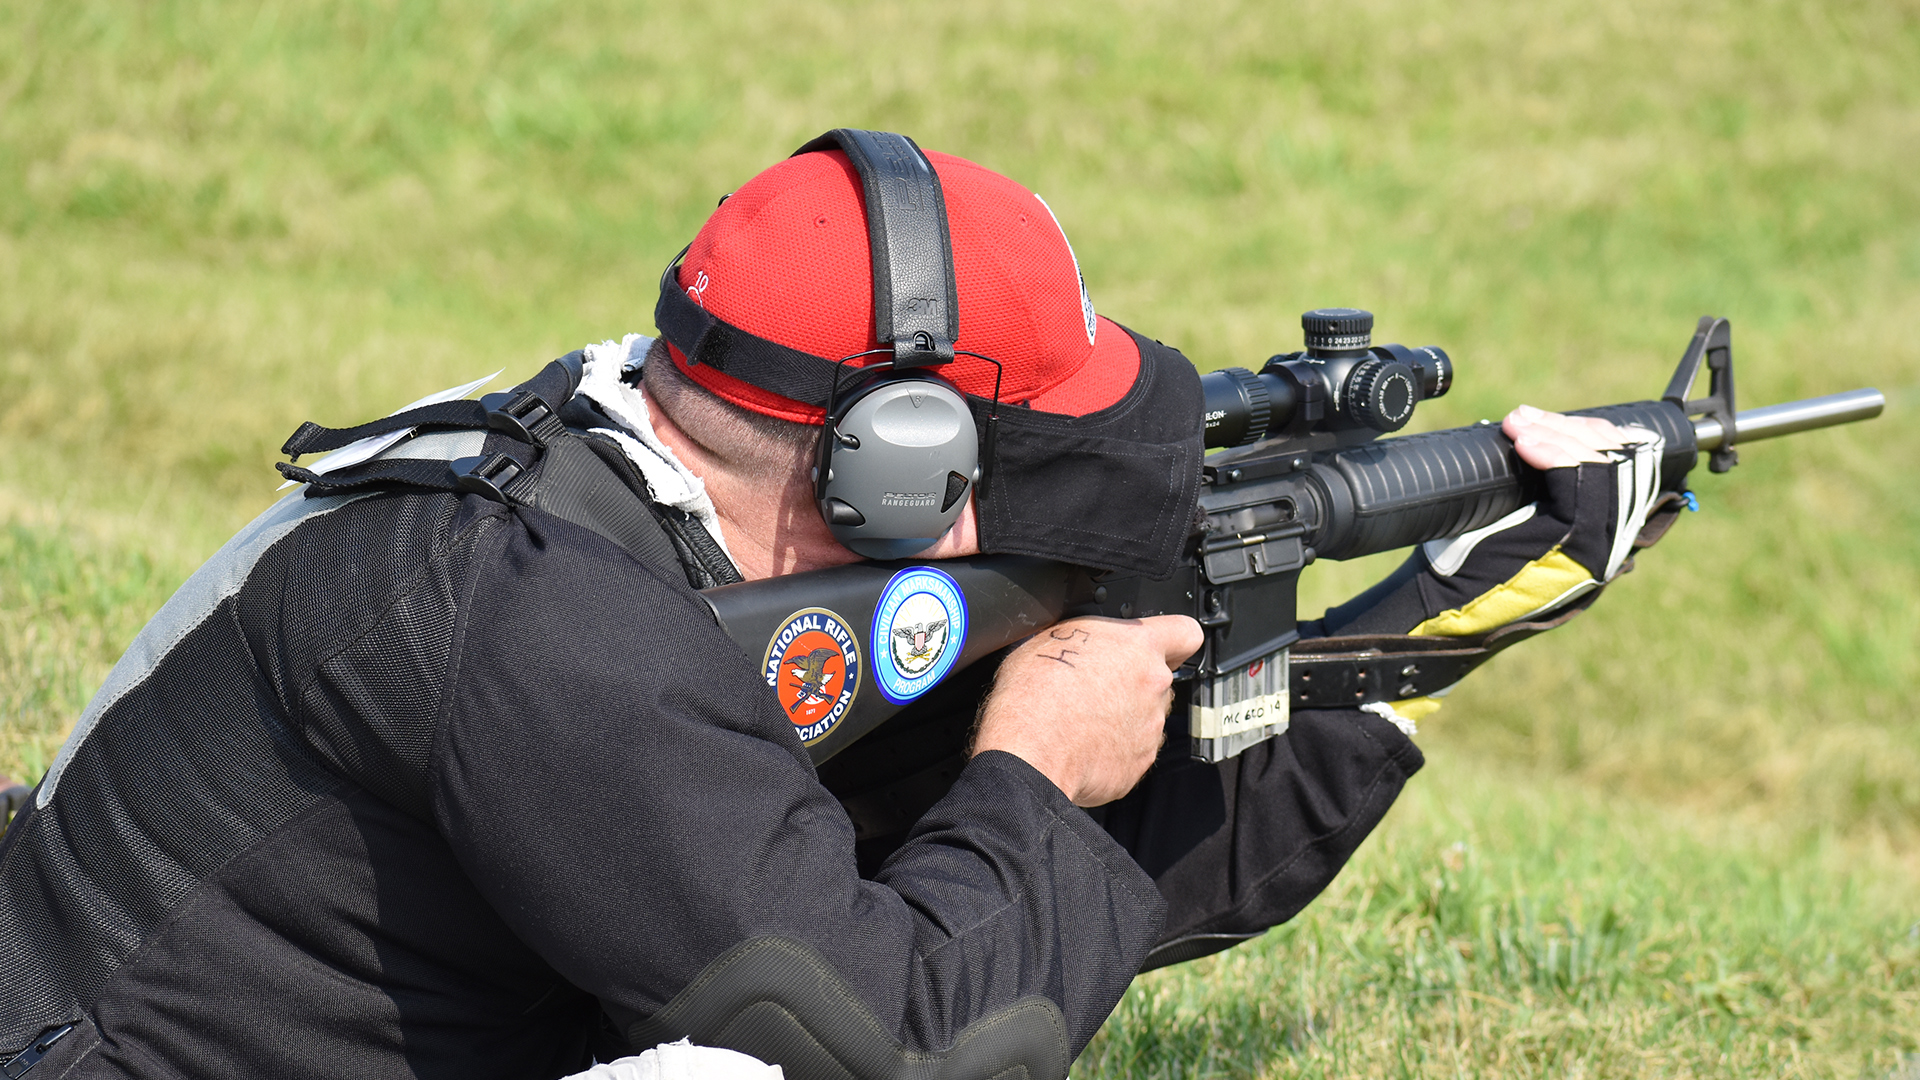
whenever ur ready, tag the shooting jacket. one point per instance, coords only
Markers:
(410, 783)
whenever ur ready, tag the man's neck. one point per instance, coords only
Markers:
(769, 532)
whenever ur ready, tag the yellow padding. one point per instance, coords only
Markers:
(1541, 582)
(1417, 709)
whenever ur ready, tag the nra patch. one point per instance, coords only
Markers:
(813, 666)
(918, 632)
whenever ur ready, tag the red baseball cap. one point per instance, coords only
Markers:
(786, 259)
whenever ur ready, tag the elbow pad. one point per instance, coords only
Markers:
(780, 1001)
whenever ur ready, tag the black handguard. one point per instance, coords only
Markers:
(1405, 491)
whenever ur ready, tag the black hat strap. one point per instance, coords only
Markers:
(708, 340)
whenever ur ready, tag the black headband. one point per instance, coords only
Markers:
(916, 303)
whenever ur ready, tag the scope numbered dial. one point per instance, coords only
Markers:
(1380, 394)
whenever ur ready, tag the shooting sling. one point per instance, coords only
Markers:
(1347, 670)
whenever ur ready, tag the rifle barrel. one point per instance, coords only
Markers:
(1772, 421)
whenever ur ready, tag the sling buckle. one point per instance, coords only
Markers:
(489, 477)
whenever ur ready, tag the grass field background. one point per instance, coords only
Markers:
(1680, 837)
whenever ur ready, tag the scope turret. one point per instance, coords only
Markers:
(1337, 332)
(1380, 394)
(1341, 382)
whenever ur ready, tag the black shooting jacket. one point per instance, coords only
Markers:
(415, 784)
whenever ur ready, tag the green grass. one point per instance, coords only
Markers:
(1503, 931)
(65, 614)
(217, 220)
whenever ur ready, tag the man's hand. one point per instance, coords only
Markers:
(1599, 482)
(1548, 440)
(1085, 701)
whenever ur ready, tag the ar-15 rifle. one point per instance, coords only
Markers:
(1299, 477)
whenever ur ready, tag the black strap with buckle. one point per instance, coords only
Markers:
(312, 438)
(526, 413)
(489, 476)
(1342, 672)
(525, 416)
(531, 458)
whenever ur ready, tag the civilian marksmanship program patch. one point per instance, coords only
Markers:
(919, 629)
(813, 665)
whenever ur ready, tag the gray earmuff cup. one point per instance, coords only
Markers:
(905, 461)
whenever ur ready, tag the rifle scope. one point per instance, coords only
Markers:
(1341, 382)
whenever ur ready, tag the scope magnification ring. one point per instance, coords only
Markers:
(1259, 404)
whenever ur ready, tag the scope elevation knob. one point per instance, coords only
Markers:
(1380, 395)
(1337, 329)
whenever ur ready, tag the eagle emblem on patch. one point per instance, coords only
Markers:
(813, 666)
(919, 646)
(919, 629)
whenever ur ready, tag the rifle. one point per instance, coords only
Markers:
(1301, 475)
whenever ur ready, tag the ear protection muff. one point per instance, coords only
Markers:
(895, 464)
(899, 451)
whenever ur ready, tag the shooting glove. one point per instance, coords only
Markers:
(1529, 571)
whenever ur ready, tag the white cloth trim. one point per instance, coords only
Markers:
(1639, 479)
(1385, 711)
(670, 480)
(1447, 556)
(684, 1061)
(1577, 591)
